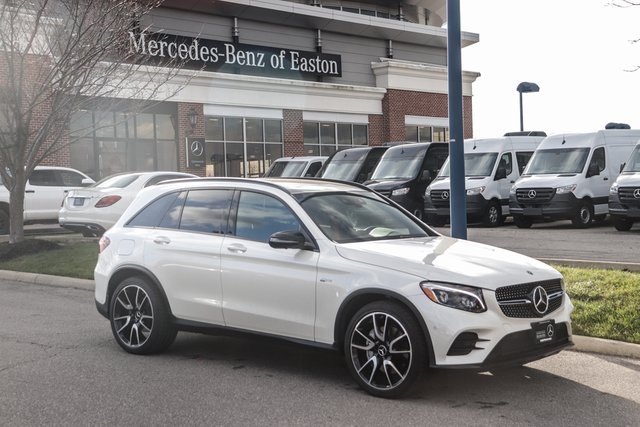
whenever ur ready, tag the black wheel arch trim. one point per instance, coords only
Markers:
(370, 295)
(113, 283)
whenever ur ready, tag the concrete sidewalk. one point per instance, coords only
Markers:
(582, 343)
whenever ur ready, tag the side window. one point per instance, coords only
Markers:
(44, 178)
(598, 159)
(206, 211)
(71, 179)
(313, 169)
(260, 215)
(151, 215)
(522, 157)
(506, 163)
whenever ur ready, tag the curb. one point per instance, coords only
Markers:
(581, 343)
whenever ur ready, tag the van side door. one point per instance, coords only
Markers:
(597, 178)
(505, 176)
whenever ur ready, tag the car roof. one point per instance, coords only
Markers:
(303, 158)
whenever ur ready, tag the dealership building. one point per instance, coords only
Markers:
(280, 78)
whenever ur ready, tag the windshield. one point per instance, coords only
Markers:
(475, 164)
(399, 163)
(115, 181)
(557, 160)
(345, 166)
(633, 165)
(286, 169)
(347, 218)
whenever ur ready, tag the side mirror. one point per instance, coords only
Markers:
(593, 170)
(501, 173)
(426, 176)
(288, 239)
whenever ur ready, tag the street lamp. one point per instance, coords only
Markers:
(525, 87)
(193, 118)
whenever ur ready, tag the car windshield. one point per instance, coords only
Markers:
(557, 160)
(399, 163)
(345, 165)
(115, 181)
(293, 168)
(346, 218)
(633, 165)
(475, 164)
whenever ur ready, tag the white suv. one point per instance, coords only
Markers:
(328, 264)
(45, 190)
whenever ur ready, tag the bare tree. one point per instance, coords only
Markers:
(58, 57)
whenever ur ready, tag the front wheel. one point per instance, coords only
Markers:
(493, 215)
(622, 224)
(384, 349)
(522, 221)
(583, 216)
(139, 317)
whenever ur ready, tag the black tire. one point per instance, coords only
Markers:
(417, 212)
(493, 215)
(4, 221)
(583, 216)
(522, 221)
(384, 349)
(622, 224)
(140, 319)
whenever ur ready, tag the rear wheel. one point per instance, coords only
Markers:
(384, 349)
(522, 221)
(139, 317)
(584, 215)
(493, 215)
(622, 224)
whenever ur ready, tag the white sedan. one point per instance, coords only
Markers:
(94, 209)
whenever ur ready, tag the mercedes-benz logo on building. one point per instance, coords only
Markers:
(197, 148)
(540, 300)
(532, 194)
(636, 193)
(445, 195)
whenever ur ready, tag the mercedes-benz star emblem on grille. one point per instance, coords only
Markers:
(540, 300)
(445, 195)
(636, 193)
(550, 330)
(532, 194)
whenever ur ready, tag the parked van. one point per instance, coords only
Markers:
(305, 166)
(352, 164)
(491, 168)
(569, 177)
(405, 171)
(624, 195)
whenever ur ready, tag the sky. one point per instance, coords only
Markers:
(579, 52)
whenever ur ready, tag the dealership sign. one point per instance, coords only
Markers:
(237, 58)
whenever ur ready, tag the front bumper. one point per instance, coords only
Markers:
(476, 207)
(623, 210)
(560, 206)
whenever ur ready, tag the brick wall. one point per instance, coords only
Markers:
(293, 137)
(185, 130)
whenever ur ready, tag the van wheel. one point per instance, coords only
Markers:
(522, 221)
(493, 215)
(583, 216)
(417, 212)
(622, 224)
(4, 221)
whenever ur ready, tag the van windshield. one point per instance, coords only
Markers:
(400, 163)
(286, 169)
(557, 160)
(633, 165)
(475, 164)
(345, 166)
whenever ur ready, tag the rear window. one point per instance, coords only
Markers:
(116, 181)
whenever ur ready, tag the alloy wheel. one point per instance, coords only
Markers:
(133, 316)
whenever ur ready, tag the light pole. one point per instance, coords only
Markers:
(525, 87)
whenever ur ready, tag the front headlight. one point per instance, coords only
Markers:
(513, 189)
(427, 192)
(474, 191)
(614, 188)
(461, 297)
(400, 191)
(566, 189)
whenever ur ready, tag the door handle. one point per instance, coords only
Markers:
(237, 248)
(30, 191)
(605, 179)
(162, 240)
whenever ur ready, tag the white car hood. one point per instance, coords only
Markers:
(450, 260)
(547, 180)
(470, 182)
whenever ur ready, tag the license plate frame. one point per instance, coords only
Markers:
(543, 332)
(78, 201)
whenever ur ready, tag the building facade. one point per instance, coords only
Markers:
(279, 78)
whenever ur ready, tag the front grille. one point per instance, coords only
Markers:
(440, 198)
(627, 197)
(535, 195)
(516, 300)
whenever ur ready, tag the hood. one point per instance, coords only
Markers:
(628, 179)
(388, 184)
(469, 182)
(550, 180)
(450, 260)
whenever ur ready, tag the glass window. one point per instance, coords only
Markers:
(506, 163)
(255, 160)
(47, 178)
(144, 155)
(206, 211)
(71, 178)
(598, 159)
(233, 129)
(259, 216)
(360, 135)
(144, 126)
(311, 135)
(254, 130)
(522, 157)
(235, 159)
(81, 123)
(411, 133)
(344, 133)
(167, 155)
(81, 156)
(215, 163)
(273, 130)
(272, 152)
(171, 219)
(124, 125)
(164, 127)
(154, 212)
(213, 128)
(328, 134)
(104, 124)
(440, 134)
(424, 133)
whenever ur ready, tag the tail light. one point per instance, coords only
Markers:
(107, 201)
(103, 243)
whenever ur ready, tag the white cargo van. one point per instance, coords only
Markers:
(491, 167)
(305, 166)
(624, 195)
(569, 176)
